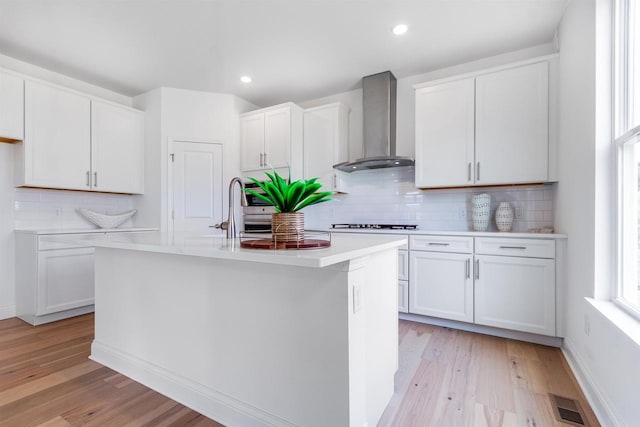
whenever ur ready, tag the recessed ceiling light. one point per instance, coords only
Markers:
(245, 79)
(400, 29)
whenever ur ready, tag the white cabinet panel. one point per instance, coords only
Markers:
(117, 148)
(403, 296)
(516, 293)
(252, 142)
(512, 132)
(534, 248)
(445, 134)
(65, 280)
(326, 142)
(57, 138)
(277, 138)
(441, 285)
(455, 244)
(403, 264)
(11, 107)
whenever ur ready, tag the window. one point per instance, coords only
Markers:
(627, 143)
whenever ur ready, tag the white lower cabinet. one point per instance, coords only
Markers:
(516, 293)
(441, 285)
(65, 279)
(403, 296)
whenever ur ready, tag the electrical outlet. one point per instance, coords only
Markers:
(587, 325)
(357, 298)
(462, 213)
(519, 213)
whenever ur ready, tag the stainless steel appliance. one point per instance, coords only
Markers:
(379, 126)
(257, 213)
(376, 226)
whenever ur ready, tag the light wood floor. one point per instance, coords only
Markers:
(446, 378)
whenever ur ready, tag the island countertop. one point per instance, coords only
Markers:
(216, 245)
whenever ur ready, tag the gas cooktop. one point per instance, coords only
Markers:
(377, 226)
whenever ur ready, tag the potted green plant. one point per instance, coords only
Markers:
(289, 198)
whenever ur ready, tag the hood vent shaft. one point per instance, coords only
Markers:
(379, 125)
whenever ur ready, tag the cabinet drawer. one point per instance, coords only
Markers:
(455, 244)
(530, 248)
(60, 241)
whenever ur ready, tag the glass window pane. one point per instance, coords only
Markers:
(633, 70)
(631, 220)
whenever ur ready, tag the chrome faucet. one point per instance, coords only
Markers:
(232, 231)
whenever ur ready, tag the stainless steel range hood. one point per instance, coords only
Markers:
(379, 126)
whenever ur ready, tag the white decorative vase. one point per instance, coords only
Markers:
(504, 217)
(480, 211)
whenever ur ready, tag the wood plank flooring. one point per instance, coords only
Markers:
(446, 378)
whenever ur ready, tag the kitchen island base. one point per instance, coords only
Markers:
(249, 343)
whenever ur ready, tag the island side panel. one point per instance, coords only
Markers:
(230, 339)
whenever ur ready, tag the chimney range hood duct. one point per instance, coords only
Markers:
(379, 126)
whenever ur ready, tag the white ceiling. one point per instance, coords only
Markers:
(294, 49)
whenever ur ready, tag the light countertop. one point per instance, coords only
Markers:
(451, 233)
(81, 230)
(215, 245)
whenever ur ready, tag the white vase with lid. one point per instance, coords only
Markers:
(481, 211)
(504, 217)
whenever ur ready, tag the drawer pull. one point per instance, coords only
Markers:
(513, 247)
(438, 244)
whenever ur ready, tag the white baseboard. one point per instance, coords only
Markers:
(213, 404)
(598, 402)
(7, 311)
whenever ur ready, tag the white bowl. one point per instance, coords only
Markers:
(104, 220)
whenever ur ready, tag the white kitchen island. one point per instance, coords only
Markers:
(250, 337)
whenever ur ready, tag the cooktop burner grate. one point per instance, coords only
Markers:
(377, 226)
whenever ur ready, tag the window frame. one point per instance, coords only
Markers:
(623, 139)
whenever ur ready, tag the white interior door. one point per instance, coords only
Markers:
(196, 186)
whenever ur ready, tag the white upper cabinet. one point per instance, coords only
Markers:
(252, 146)
(57, 144)
(277, 138)
(445, 134)
(512, 131)
(74, 142)
(271, 138)
(326, 142)
(11, 108)
(487, 129)
(117, 154)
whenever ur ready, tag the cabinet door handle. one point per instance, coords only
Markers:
(265, 159)
(335, 181)
(438, 244)
(469, 172)
(513, 247)
(478, 171)
(95, 179)
(88, 179)
(261, 163)
(477, 269)
(467, 268)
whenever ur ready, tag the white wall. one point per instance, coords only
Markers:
(605, 359)
(184, 115)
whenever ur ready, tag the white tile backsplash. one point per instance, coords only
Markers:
(40, 208)
(390, 196)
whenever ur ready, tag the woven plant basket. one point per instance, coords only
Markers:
(287, 227)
